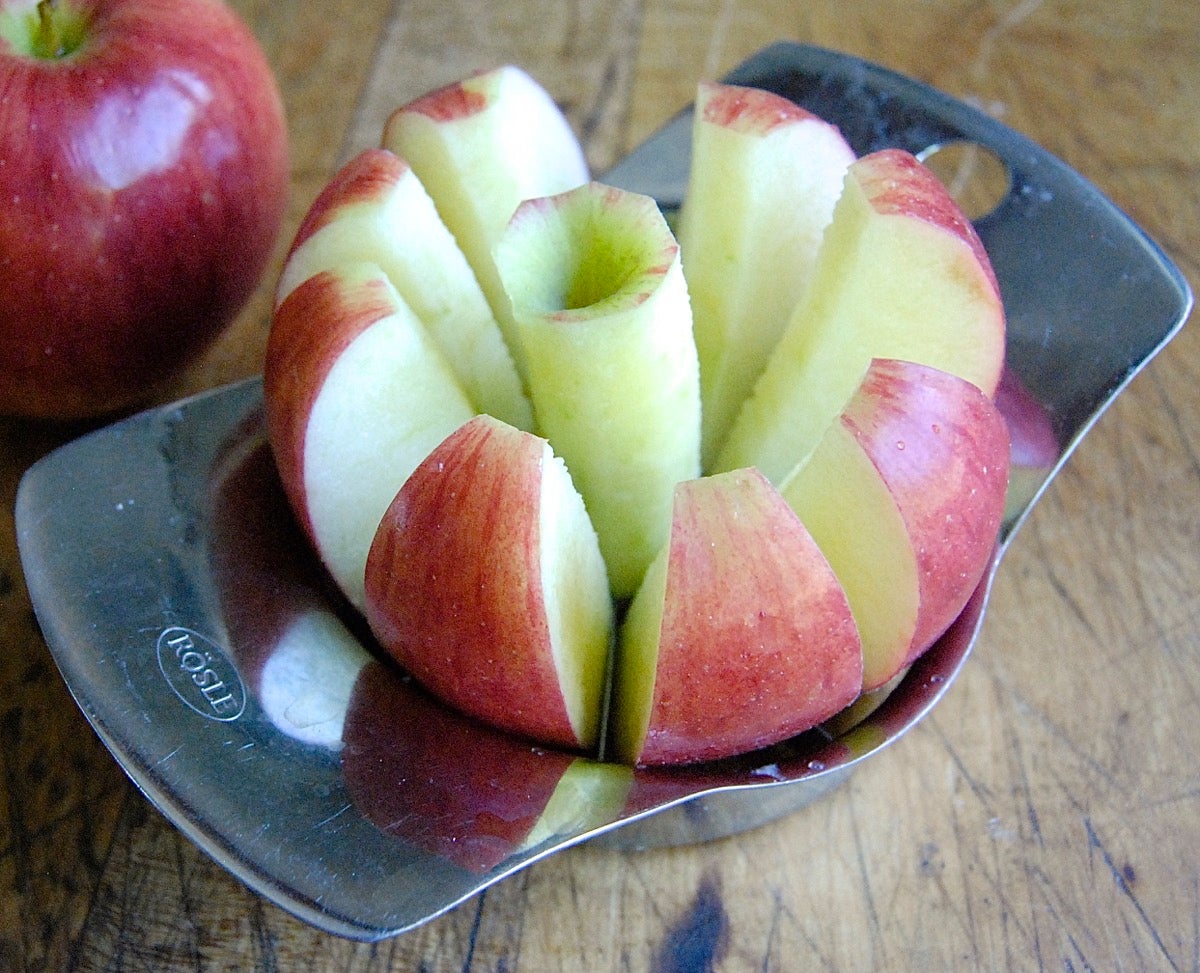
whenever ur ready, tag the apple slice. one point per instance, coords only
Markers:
(376, 210)
(860, 530)
(485, 582)
(740, 636)
(904, 494)
(599, 298)
(901, 274)
(356, 396)
(481, 146)
(765, 175)
(941, 446)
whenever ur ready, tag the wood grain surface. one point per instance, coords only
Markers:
(1045, 816)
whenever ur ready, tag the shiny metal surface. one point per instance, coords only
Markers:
(238, 693)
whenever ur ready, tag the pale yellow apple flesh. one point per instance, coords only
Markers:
(356, 396)
(741, 635)
(602, 309)
(765, 175)
(901, 274)
(375, 209)
(481, 146)
(861, 532)
(485, 581)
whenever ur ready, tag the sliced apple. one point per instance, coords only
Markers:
(485, 581)
(942, 448)
(741, 635)
(901, 274)
(861, 532)
(465, 291)
(599, 298)
(356, 396)
(481, 146)
(903, 494)
(765, 175)
(376, 210)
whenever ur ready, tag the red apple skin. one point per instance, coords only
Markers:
(942, 448)
(757, 640)
(144, 177)
(750, 110)
(366, 178)
(448, 103)
(473, 628)
(309, 332)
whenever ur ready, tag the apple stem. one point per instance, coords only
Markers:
(49, 41)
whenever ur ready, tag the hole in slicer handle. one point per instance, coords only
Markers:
(976, 177)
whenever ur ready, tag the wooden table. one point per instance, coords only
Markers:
(1047, 815)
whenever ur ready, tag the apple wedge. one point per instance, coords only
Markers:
(481, 146)
(942, 447)
(765, 175)
(376, 210)
(356, 396)
(601, 306)
(741, 635)
(901, 274)
(862, 534)
(485, 582)
(904, 494)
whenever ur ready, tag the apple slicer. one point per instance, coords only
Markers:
(190, 624)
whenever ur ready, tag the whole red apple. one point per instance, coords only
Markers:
(143, 178)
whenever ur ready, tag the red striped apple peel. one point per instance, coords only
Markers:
(741, 635)
(145, 178)
(485, 580)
